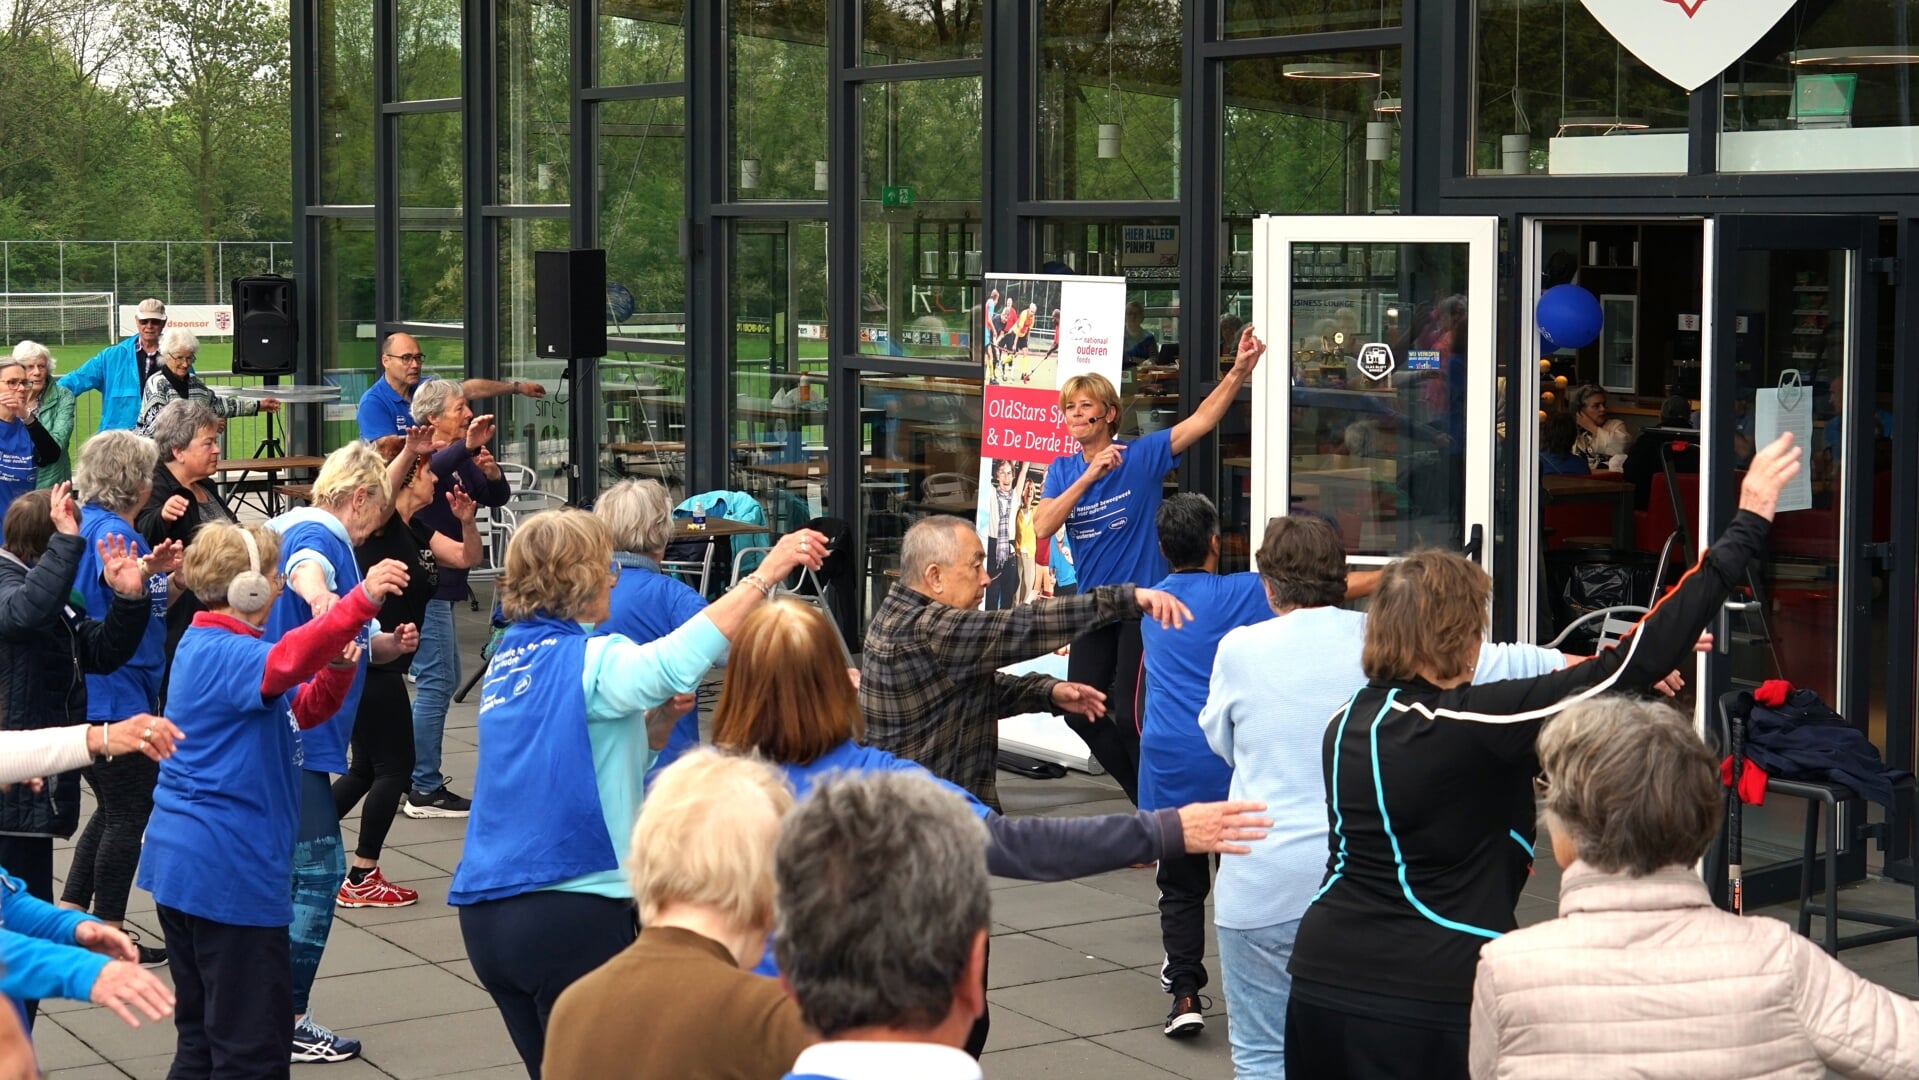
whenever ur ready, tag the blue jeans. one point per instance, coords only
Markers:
(1253, 971)
(436, 674)
(319, 866)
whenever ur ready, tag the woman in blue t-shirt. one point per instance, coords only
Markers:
(24, 444)
(1105, 497)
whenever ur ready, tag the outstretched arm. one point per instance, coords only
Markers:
(1213, 409)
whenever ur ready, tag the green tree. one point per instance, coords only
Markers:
(211, 79)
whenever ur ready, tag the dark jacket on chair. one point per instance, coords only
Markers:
(45, 648)
(1803, 739)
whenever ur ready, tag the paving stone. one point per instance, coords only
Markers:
(1017, 959)
(1013, 1029)
(1060, 903)
(439, 1046)
(100, 1071)
(443, 855)
(1134, 883)
(351, 950)
(437, 940)
(109, 1036)
(346, 1003)
(1129, 942)
(1078, 1060)
(56, 1048)
(1090, 1004)
(1205, 1056)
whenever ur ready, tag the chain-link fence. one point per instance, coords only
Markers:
(176, 271)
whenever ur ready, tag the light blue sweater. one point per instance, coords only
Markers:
(1275, 685)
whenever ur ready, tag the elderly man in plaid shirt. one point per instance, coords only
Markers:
(931, 690)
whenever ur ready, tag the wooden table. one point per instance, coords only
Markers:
(294, 492)
(233, 493)
(1573, 490)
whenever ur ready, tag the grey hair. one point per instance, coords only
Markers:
(430, 399)
(882, 890)
(930, 541)
(28, 351)
(175, 427)
(178, 339)
(639, 515)
(1633, 784)
(115, 470)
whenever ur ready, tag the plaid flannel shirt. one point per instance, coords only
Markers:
(930, 688)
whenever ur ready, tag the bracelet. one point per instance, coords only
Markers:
(754, 579)
(106, 740)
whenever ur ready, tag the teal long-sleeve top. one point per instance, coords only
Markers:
(38, 958)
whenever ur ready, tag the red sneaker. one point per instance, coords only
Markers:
(374, 891)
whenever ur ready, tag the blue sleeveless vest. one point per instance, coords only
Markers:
(536, 818)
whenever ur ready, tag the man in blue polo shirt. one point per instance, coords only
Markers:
(386, 407)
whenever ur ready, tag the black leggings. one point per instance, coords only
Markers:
(108, 851)
(1109, 659)
(382, 759)
(526, 949)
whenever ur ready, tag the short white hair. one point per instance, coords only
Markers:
(639, 514)
(430, 399)
(28, 351)
(178, 339)
(931, 541)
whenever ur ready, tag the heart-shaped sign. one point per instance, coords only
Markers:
(1688, 41)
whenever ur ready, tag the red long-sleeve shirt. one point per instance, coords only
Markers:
(300, 658)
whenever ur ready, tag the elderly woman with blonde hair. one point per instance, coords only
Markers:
(568, 725)
(352, 497)
(648, 604)
(702, 872)
(1641, 974)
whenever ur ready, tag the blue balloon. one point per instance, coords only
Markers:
(1568, 317)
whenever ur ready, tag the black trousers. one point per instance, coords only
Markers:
(1184, 882)
(1002, 586)
(1336, 1044)
(108, 851)
(1109, 659)
(382, 764)
(30, 858)
(528, 948)
(233, 990)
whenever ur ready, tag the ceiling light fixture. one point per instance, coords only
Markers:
(1855, 56)
(1325, 69)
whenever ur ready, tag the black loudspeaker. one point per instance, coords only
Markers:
(266, 326)
(569, 306)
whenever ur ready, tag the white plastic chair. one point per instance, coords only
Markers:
(496, 525)
(819, 597)
(944, 485)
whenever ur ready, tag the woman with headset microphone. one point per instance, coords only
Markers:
(219, 846)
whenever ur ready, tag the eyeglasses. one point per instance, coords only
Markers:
(152, 322)
(17, 384)
(406, 358)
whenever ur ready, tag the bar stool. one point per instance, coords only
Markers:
(1823, 799)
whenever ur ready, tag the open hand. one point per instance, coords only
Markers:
(419, 439)
(1079, 699)
(484, 459)
(479, 431)
(269, 404)
(108, 941)
(166, 557)
(1772, 467)
(462, 504)
(153, 736)
(121, 567)
(1214, 828)
(66, 517)
(1163, 608)
(124, 986)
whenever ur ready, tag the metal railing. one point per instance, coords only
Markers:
(173, 270)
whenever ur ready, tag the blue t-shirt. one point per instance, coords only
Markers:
(304, 534)
(383, 411)
(1111, 528)
(16, 462)
(227, 805)
(133, 687)
(648, 605)
(1176, 766)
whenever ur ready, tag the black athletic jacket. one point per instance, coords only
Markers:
(1430, 806)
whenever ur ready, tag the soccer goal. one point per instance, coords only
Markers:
(58, 318)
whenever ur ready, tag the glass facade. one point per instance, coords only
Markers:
(432, 286)
(777, 100)
(1109, 101)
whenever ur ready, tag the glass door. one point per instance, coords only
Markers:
(1374, 407)
(1793, 309)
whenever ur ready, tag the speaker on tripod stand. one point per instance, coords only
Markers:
(266, 336)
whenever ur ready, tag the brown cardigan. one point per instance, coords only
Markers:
(673, 1006)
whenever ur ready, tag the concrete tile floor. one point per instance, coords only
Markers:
(1074, 971)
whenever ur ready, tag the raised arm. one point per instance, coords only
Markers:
(1055, 849)
(307, 648)
(970, 642)
(474, 389)
(1213, 409)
